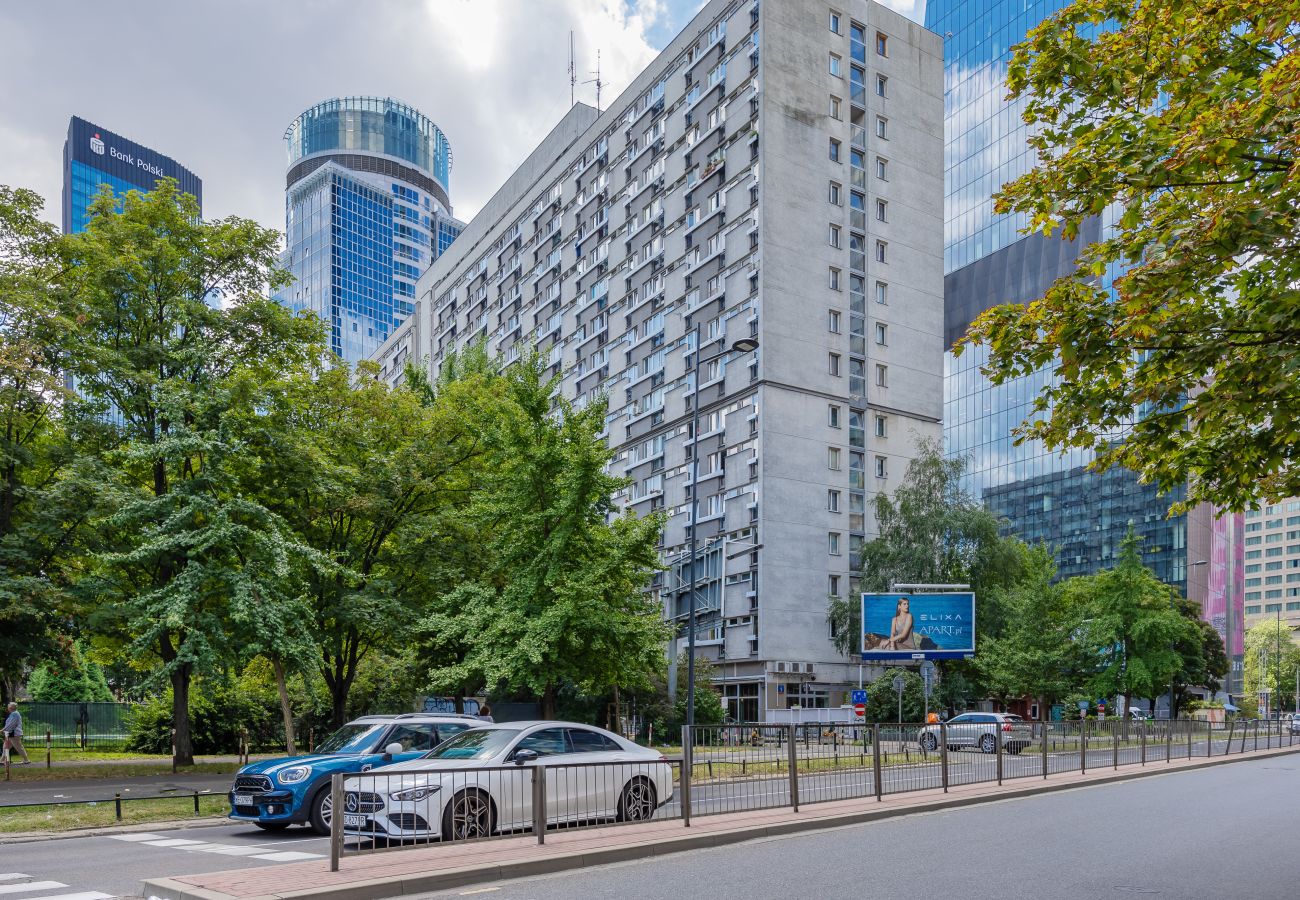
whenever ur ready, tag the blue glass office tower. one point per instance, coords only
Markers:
(94, 156)
(367, 210)
(1044, 495)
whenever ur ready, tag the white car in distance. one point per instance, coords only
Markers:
(480, 783)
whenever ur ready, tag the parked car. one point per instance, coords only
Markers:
(1295, 724)
(980, 731)
(483, 783)
(276, 793)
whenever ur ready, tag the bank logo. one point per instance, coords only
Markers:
(96, 144)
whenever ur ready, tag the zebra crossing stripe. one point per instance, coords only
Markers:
(84, 895)
(30, 886)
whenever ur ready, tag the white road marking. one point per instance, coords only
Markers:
(228, 851)
(287, 856)
(84, 895)
(11, 876)
(139, 836)
(173, 842)
(30, 886)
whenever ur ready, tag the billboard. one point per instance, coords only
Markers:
(918, 626)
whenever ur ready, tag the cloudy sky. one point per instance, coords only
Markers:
(213, 83)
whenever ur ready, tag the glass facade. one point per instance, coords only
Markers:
(94, 156)
(1046, 496)
(366, 212)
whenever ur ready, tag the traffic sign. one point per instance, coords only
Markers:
(899, 684)
(858, 697)
(860, 709)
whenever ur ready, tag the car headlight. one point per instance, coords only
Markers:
(419, 793)
(293, 775)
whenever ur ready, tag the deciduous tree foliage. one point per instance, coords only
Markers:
(1177, 122)
(559, 594)
(1271, 663)
(168, 372)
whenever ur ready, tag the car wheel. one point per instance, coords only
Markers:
(1014, 749)
(929, 742)
(272, 826)
(321, 810)
(639, 801)
(470, 814)
(988, 744)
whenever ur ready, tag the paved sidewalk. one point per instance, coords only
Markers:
(422, 870)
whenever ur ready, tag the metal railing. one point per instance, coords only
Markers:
(734, 768)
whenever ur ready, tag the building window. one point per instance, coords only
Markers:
(835, 279)
(882, 426)
(881, 251)
(882, 128)
(833, 321)
(882, 292)
(835, 364)
(835, 107)
(833, 501)
(835, 23)
(833, 416)
(882, 332)
(880, 467)
(882, 44)
(833, 458)
(882, 375)
(835, 150)
(835, 236)
(882, 84)
(833, 585)
(882, 208)
(882, 168)
(835, 65)
(836, 194)
(833, 543)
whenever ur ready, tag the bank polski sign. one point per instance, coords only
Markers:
(918, 626)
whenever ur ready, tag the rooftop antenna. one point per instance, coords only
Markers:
(573, 73)
(596, 81)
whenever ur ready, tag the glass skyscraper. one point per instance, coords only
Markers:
(1046, 496)
(367, 209)
(94, 156)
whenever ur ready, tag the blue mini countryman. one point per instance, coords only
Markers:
(276, 793)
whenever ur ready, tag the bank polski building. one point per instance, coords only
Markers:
(774, 174)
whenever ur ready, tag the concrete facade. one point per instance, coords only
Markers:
(774, 173)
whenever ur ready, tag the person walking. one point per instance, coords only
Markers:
(13, 729)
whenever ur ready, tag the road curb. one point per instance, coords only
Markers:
(423, 883)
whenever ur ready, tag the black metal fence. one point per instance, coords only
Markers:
(76, 726)
(735, 768)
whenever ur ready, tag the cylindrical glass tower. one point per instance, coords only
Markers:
(367, 210)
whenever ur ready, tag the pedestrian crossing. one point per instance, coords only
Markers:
(251, 851)
(17, 886)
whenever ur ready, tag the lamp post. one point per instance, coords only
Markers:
(743, 345)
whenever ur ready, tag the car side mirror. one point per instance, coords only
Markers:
(524, 756)
(393, 749)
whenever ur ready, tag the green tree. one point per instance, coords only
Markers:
(882, 699)
(1204, 662)
(1037, 655)
(1175, 122)
(931, 531)
(358, 470)
(1131, 627)
(43, 508)
(69, 678)
(164, 368)
(560, 595)
(1271, 663)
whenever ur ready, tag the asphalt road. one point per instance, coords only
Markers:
(104, 788)
(1209, 834)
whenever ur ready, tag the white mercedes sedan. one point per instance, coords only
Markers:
(481, 782)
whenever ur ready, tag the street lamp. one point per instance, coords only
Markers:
(743, 345)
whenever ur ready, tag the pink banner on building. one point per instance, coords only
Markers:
(1227, 560)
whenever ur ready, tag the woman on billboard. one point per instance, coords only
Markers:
(900, 629)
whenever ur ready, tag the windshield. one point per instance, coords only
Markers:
(478, 744)
(351, 739)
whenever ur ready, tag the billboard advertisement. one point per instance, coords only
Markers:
(918, 626)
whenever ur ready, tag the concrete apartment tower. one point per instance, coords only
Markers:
(776, 174)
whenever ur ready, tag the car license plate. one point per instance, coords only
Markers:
(245, 800)
(355, 821)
